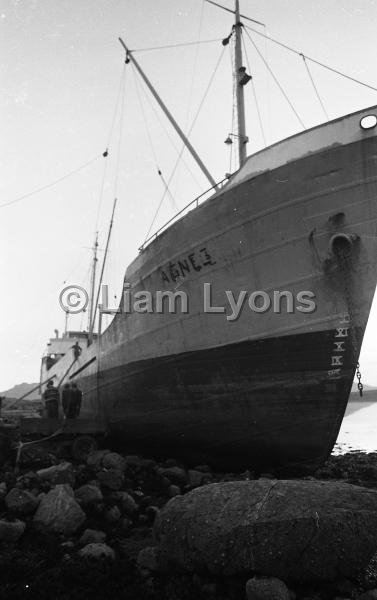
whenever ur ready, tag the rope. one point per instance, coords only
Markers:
(151, 142)
(276, 80)
(49, 185)
(157, 115)
(121, 87)
(315, 87)
(313, 60)
(183, 146)
(121, 119)
(254, 94)
(176, 45)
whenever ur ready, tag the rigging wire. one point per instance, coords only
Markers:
(56, 181)
(188, 133)
(234, 83)
(176, 45)
(161, 122)
(109, 137)
(254, 93)
(313, 60)
(80, 168)
(276, 80)
(193, 73)
(119, 149)
(315, 87)
(159, 172)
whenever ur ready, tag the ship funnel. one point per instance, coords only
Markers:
(342, 244)
(56, 333)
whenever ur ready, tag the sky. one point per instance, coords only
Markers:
(66, 95)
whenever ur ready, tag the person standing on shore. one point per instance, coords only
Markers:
(67, 401)
(76, 400)
(51, 398)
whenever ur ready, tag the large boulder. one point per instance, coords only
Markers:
(58, 511)
(62, 473)
(294, 530)
(21, 502)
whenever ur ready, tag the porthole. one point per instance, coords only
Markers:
(368, 122)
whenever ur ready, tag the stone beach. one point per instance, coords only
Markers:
(126, 526)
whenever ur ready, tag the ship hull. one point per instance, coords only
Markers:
(267, 404)
(263, 389)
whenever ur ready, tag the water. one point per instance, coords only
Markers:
(359, 428)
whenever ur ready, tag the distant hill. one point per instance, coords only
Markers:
(19, 390)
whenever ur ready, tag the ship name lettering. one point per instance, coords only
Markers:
(342, 332)
(336, 360)
(195, 261)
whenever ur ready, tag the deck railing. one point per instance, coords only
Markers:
(196, 202)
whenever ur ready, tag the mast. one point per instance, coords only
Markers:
(239, 73)
(103, 265)
(92, 287)
(129, 56)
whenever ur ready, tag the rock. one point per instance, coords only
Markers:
(97, 551)
(113, 460)
(3, 490)
(11, 532)
(58, 512)
(62, 473)
(175, 475)
(111, 478)
(294, 530)
(113, 514)
(148, 464)
(21, 502)
(174, 490)
(92, 536)
(267, 589)
(267, 476)
(94, 460)
(126, 525)
(134, 461)
(195, 478)
(88, 494)
(203, 469)
(151, 513)
(369, 595)
(127, 503)
(152, 559)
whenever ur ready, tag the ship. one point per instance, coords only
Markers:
(262, 383)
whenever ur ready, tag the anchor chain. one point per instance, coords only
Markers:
(348, 296)
(360, 386)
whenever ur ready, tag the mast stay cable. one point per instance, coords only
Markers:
(313, 60)
(254, 94)
(276, 80)
(189, 132)
(315, 87)
(153, 151)
(55, 182)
